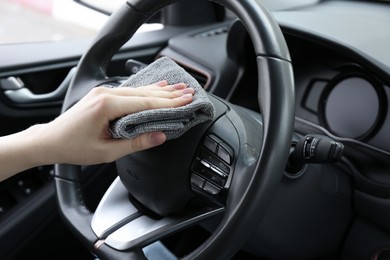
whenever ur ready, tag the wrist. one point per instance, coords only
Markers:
(38, 150)
(21, 151)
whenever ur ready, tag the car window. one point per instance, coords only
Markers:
(49, 20)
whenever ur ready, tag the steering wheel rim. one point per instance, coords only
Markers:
(276, 99)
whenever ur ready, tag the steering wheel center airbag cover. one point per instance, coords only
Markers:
(159, 177)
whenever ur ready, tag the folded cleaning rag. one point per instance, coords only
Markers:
(172, 121)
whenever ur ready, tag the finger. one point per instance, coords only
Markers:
(170, 91)
(172, 87)
(164, 87)
(147, 140)
(161, 83)
(158, 84)
(163, 92)
(139, 143)
(128, 105)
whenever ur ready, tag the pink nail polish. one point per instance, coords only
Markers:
(179, 86)
(187, 96)
(188, 91)
(162, 83)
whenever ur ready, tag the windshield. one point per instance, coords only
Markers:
(50, 20)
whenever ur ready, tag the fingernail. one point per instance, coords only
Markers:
(162, 83)
(187, 91)
(157, 138)
(187, 96)
(179, 86)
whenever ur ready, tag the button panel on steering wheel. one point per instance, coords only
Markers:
(211, 168)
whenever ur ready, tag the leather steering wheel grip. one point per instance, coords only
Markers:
(276, 99)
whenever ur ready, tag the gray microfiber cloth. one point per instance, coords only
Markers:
(172, 121)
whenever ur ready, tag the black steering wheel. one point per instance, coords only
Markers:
(228, 167)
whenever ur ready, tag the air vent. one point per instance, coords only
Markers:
(212, 33)
(201, 76)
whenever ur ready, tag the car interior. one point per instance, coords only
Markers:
(294, 165)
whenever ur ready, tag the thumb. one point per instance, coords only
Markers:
(120, 148)
(145, 141)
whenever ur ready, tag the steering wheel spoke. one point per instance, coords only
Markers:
(119, 224)
(145, 230)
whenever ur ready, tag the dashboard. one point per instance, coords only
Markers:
(341, 96)
(339, 87)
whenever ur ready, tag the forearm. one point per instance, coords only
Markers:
(21, 151)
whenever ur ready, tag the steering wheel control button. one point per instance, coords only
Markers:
(210, 173)
(218, 147)
(224, 154)
(197, 181)
(213, 168)
(214, 160)
(212, 189)
(205, 164)
(218, 171)
(210, 144)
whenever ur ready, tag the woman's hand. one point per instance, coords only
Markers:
(81, 135)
